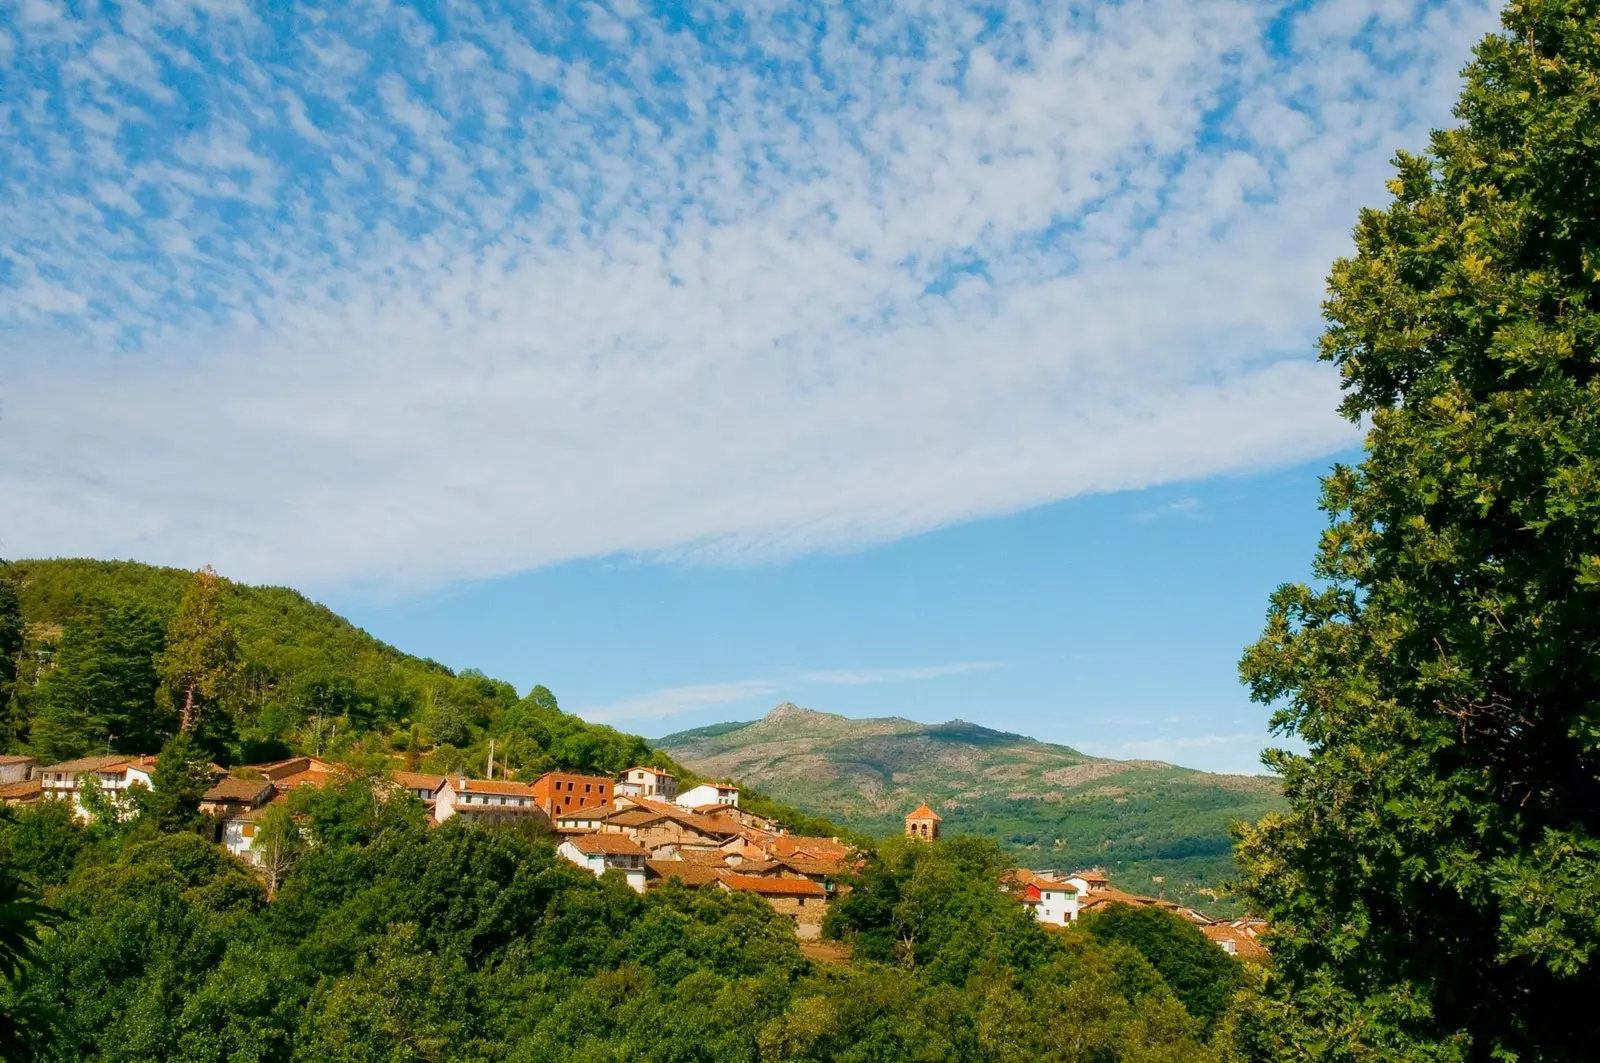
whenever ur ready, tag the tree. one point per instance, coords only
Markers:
(181, 778)
(278, 844)
(201, 656)
(102, 691)
(1201, 974)
(11, 638)
(1435, 884)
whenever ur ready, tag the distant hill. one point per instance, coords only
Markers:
(1157, 828)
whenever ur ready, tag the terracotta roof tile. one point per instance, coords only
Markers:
(924, 812)
(492, 786)
(418, 780)
(231, 789)
(609, 844)
(690, 874)
(26, 790)
(772, 887)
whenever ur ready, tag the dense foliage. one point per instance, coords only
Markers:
(114, 651)
(1436, 884)
(392, 941)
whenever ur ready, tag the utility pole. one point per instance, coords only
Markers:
(491, 758)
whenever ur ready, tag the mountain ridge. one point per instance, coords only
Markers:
(1159, 828)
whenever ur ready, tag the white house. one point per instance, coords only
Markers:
(648, 782)
(600, 853)
(709, 793)
(112, 773)
(582, 819)
(1058, 902)
(16, 769)
(461, 794)
(238, 834)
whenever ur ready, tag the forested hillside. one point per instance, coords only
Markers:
(1158, 829)
(289, 674)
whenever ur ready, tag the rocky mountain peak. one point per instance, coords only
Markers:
(789, 711)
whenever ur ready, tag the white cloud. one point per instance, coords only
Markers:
(574, 283)
(1237, 753)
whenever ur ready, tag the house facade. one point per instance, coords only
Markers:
(17, 769)
(648, 782)
(112, 773)
(599, 853)
(486, 800)
(559, 792)
(709, 793)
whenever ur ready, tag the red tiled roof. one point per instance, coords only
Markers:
(416, 780)
(628, 817)
(239, 790)
(653, 771)
(688, 873)
(492, 786)
(811, 866)
(924, 812)
(715, 858)
(83, 764)
(10, 758)
(26, 790)
(609, 844)
(775, 887)
(302, 778)
(798, 844)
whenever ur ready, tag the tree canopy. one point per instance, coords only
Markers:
(1435, 886)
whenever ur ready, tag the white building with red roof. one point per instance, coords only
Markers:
(599, 853)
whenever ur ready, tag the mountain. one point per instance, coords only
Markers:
(1157, 828)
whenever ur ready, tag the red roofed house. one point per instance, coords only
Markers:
(424, 786)
(487, 800)
(600, 853)
(923, 823)
(112, 773)
(802, 900)
(231, 796)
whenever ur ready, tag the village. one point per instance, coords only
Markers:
(638, 824)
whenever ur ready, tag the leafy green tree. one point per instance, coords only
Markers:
(41, 842)
(11, 639)
(277, 845)
(1435, 886)
(1201, 974)
(182, 776)
(201, 655)
(357, 808)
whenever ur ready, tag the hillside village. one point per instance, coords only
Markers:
(638, 824)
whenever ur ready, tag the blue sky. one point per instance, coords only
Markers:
(731, 349)
(1112, 623)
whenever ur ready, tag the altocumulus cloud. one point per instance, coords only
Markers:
(363, 293)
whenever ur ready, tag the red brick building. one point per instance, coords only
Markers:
(558, 791)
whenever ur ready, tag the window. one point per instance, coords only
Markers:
(587, 788)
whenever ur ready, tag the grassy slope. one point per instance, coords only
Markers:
(1051, 805)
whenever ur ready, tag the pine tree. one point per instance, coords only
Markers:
(200, 656)
(1435, 884)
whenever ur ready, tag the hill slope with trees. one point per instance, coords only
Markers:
(1159, 829)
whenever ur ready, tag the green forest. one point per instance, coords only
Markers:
(1431, 885)
(388, 940)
